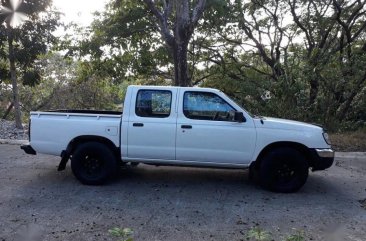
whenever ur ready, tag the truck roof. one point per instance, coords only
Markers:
(172, 87)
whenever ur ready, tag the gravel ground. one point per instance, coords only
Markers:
(171, 203)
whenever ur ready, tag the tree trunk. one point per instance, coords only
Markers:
(177, 38)
(314, 89)
(13, 77)
(345, 107)
(7, 112)
(180, 64)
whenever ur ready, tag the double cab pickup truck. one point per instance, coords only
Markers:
(181, 126)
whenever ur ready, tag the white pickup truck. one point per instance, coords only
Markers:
(181, 126)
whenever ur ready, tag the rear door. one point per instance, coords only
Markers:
(152, 124)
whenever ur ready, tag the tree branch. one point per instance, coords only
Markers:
(162, 20)
(198, 12)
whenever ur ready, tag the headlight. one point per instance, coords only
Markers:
(326, 138)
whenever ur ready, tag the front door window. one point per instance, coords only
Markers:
(207, 106)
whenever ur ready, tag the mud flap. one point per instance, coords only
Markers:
(64, 158)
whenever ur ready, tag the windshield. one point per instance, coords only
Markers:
(239, 105)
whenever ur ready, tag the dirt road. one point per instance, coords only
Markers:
(171, 203)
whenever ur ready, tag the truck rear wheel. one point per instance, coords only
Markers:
(283, 170)
(93, 163)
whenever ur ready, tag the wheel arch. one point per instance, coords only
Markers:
(295, 145)
(91, 138)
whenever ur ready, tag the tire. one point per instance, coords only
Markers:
(93, 163)
(253, 173)
(283, 170)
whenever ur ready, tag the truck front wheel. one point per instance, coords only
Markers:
(93, 163)
(283, 170)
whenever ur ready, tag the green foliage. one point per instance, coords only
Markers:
(123, 41)
(21, 45)
(320, 80)
(258, 234)
(32, 39)
(65, 85)
(123, 234)
(4, 73)
(31, 77)
(298, 236)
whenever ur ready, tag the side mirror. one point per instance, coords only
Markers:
(239, 117)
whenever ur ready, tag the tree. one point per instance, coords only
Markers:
(147, 37)
(297, 59)
(176, 23)
(330, 27)
(21, 45)
(67, 84)
(311, 51)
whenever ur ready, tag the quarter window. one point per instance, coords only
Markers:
(207, 106)
(153, 103)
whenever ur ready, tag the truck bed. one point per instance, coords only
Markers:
(102, 112)
(52, 131)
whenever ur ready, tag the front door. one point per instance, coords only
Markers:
(207, 132)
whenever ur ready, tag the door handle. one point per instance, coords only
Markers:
(138, 124)
(186, 126)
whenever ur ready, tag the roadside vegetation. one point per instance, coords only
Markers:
(301, 60)
(349, 140)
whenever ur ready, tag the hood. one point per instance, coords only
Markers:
(277, 123)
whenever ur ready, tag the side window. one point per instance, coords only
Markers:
(207, 106)
(153, 103)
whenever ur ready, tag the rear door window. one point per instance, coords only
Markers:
(153, 103)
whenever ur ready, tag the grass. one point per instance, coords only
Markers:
(258, 234)
(122, 234)
(298, 236)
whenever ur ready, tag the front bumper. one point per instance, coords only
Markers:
(28, 149)
(322, 159)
